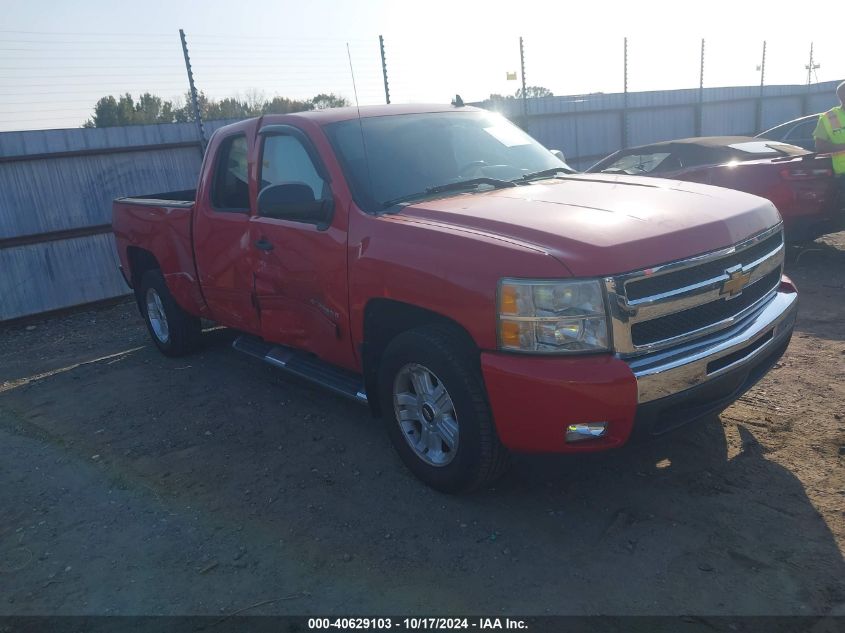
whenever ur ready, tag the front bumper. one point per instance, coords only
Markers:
(534, 399)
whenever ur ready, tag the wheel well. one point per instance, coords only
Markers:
(140, 261)
(384, 320)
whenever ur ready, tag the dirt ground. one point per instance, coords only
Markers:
(135, 484)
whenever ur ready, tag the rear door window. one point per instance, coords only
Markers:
(230, 189)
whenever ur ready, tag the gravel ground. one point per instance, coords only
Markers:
(135, 484)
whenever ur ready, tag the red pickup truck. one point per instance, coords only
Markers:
(443, 267)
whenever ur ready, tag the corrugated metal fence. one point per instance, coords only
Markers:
(589, 127)
(56, 189)
(56, 186)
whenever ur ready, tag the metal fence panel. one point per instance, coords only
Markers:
(53, 275)
(651, 126)
(588, 127)
(55, 194)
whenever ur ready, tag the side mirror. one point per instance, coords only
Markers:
(558, 154)
(294, 201)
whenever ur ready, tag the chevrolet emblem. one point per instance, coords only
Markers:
(736, 281)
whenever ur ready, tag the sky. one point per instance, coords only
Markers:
(58, 57)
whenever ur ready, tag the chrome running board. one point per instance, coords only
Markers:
(305, 366)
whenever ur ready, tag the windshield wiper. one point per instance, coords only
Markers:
(546, 173)
(451, 186)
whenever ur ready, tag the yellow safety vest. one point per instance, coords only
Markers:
(834, 125)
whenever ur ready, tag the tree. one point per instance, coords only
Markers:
(229, 108)
(323, 101)
(149, 108)
(109, 111)
(283, 105)
(534, 91)
(105, 113)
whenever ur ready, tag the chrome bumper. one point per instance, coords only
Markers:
(674, 370)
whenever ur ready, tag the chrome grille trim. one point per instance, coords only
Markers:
(624, 313)
(671, 371)
(703, 292)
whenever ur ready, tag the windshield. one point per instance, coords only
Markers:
(643, 163)
(408, 154)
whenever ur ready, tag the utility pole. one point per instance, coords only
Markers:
(700, 117)
(522, 66)
(625, 94)
(194, 99)
(384, 70)
(762, 68)
(811, 68)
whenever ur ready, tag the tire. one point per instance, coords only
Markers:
(466, 452)
(174, 331)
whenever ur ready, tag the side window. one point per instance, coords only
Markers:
(803, 130)
(230, 189)
(285, 161)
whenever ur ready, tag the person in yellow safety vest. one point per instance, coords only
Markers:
(830, 133)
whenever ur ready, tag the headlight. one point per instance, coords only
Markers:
(552, 317)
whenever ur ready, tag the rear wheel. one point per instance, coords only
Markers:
(436, 412)
(174, 331)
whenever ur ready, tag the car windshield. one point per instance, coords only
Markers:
(641, 163)
(414, 155)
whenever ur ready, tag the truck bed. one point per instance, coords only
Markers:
(158, 227)
(187, 196)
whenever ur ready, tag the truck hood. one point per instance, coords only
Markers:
(601, 224)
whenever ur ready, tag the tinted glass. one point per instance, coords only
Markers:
(285, 160)
(643, 163)
(777, 133)
(802, 131)
(230, 190)
(405, 154)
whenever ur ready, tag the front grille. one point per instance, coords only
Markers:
(702, 316)
(677, 302)
(660, 284)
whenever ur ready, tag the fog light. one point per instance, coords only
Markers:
(585, 431)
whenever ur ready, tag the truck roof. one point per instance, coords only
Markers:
(333, 115)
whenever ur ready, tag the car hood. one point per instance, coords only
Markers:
(600, 224)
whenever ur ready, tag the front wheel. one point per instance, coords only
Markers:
(174, 331)
(436, 411)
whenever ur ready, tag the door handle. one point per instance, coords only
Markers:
(263, 245)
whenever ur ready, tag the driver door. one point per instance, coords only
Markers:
(300, 265)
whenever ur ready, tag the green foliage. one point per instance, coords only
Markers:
(530, 93)
(323, 101)
(534, 91)
(283, 105)
(125, 110)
